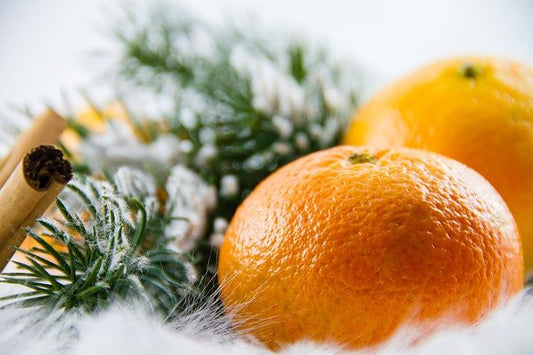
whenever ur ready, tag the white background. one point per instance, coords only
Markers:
(46, 45)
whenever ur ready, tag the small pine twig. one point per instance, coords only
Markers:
(104, 258)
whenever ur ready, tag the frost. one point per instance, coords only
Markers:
(207, 136)
(109, 215)
(186, 146)
(188, 117)
(118, 146)
(229, 185)
(283, 126)
(274, 92)
(135, 183)
(219, 229)
(206, 154)
(192, 104)
(198, 42)
(166, 150)
(302, 141)
(281, 148)
(190, 200)
(144, 105)
(334, 98)
(329, 132)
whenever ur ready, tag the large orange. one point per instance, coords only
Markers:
(346, 244)
(473, 109)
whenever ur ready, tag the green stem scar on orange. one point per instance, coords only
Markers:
(360, 158)
(470, 70)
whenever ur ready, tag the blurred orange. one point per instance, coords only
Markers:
(477, 110)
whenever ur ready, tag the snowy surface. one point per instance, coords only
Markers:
(47, 47)
(130, 330)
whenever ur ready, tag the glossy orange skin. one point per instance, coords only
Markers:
(332, 251)
(483, 119)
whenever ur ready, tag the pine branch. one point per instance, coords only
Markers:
(245, 103)
(104, 258)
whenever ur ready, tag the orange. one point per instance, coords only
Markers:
(93, 119)
(473, 109)
(346, 244)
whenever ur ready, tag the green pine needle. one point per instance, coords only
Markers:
(246, 138)
(100, 264)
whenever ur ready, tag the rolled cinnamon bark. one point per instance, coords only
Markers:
(29, 191)
(45, 129)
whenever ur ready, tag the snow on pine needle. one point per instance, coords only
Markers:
(118, 146)
(114, 248)
(241, 102)
(188, 208)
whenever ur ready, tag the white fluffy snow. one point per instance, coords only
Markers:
(130, 329)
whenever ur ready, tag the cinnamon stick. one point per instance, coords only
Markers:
(29, 191)
(45, 129)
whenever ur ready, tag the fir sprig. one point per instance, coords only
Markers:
(244, 103)
(105, 258)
